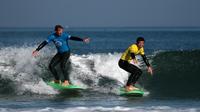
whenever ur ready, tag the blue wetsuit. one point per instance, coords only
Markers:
(61, 42)
(63, 54)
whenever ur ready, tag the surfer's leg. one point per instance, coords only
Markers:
(65, 64)
(130, 80)
(125, 65)
(55, 60)
(135, 72)
(138, 73)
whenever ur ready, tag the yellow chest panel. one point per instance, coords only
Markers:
(126, 56)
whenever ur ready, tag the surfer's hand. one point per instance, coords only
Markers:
(150, 70)
(135, 61)
(86, 40)
(35, 53)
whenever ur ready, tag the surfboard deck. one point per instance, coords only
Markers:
(136, 93)
(59, 86)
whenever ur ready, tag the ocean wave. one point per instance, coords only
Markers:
(175, 72)
(28, 74)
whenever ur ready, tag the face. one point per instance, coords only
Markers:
(140, 44)
(59, 31)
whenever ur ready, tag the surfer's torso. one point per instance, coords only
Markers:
(61, 42)
(126, 56)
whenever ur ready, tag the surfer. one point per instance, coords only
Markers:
(128, 60)
(60, 39)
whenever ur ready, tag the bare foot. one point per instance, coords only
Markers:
(134, 88)
(65, 83)
(129, 88)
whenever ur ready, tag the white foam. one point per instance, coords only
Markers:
(40, 88)
(95, 66)
(106, 109)
(103, 64)
(17, 65)
(21, 68)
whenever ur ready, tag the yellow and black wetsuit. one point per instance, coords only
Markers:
(125, 60)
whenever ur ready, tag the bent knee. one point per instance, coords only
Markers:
(138, 71)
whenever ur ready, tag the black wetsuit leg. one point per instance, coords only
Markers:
(135, 71)
(61, 58)
(55, 61)
(65, 64)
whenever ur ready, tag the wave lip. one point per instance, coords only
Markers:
(176, 74)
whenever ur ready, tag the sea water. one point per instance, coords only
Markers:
(173, 53)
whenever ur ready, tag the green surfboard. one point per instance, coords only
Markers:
(59, 86)
(136, 93)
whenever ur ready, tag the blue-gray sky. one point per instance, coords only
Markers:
(100, 13)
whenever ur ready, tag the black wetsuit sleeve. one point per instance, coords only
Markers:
(145, 60)
(132, 55)
(42, 45)
(76, 38)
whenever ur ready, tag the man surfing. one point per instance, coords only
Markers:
(128, 60)
(60, 39)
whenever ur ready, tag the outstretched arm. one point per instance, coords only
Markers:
(35, 52)
(86, 40)
(76, 38)
(42, 45)
(150, 70)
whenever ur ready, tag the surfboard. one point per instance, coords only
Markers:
(59, 86)
(136, 93)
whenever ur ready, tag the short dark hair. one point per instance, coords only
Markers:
(140, 39)
(57, 27)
